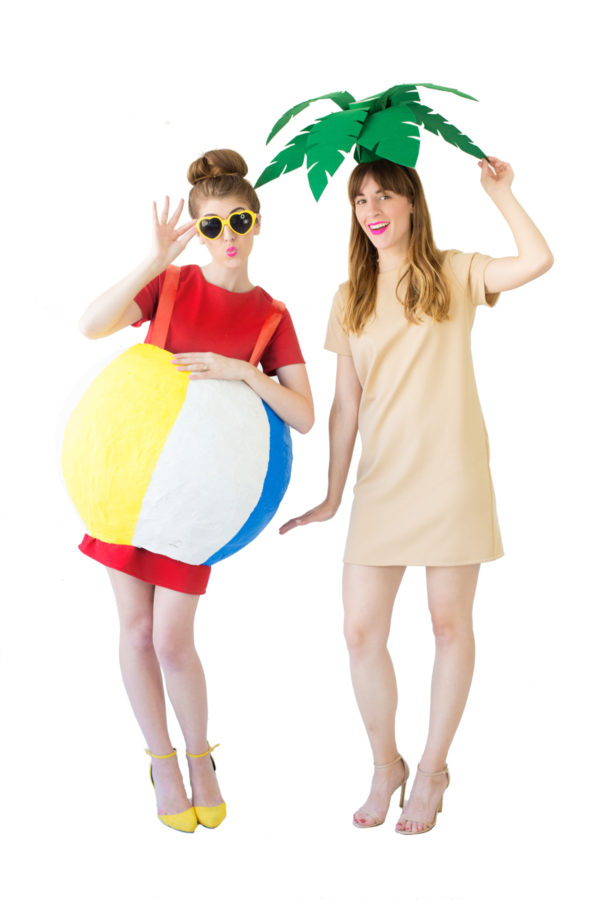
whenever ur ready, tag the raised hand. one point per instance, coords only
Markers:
(496, 176)
(169, 239)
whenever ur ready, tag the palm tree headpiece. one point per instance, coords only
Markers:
(385, 126)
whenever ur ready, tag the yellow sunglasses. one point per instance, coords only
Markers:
(241, 222)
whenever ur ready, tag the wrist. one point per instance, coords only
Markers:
(248, 373)
(151, 267)
(501, 194)
(333, 503)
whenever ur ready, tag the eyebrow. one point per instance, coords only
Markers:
(378, 191)
(207, 215)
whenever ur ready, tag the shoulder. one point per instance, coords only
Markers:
(341, 295)
(455, 261)
(461, 266)
(191, 275)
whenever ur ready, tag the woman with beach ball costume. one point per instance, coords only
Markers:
(219, 322)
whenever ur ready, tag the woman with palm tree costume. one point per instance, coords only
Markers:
(401, 328)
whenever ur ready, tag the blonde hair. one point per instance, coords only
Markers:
(427, 292)
(220, 173)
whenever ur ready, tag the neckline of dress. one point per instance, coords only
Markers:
(218, 287)
(397, 272)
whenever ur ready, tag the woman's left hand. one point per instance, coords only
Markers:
(211, 365)
(496, 177)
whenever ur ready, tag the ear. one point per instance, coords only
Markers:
(257, 225)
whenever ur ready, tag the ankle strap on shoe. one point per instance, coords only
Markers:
(387, 765)
(443, 771)
(200, 755)
(157, 756)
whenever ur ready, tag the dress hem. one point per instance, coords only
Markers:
(471, 562)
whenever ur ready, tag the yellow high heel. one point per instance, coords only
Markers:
(183, 821)
(402, 785)
(209, 816)
(428, 825)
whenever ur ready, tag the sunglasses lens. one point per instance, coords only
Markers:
(241, 222)
(211, 228)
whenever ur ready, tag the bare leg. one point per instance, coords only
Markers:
(143, 683)
(451, 591)
(369, 593)
(184, 677)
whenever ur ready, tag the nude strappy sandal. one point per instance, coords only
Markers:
(428, 825)
(402, 786)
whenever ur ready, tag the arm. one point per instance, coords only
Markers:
(534, 256)
(116, 307)
(343, 426)
(291, 399)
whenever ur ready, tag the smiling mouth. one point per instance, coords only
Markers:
(378, 227)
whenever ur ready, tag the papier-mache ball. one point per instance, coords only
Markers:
(193, 470)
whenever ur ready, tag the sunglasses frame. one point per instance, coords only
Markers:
(227, 221)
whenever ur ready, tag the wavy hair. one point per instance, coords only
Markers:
(427, 293)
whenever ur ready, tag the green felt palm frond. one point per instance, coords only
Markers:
(342, 98)
(290, 158)
(384, 126)
(437, 124)
(392, 134)
(330, 138)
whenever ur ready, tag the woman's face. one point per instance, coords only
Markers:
(230, 249)
(384, 216)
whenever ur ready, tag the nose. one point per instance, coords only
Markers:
(228, 234)
(371, 207)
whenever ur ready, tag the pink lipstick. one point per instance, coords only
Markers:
(231, 252)
(378, 227)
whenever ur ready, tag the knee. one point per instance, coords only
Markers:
(136, 634)
(173, 648)
(360, 637)
(449, 629)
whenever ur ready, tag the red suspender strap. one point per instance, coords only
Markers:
(162, 319)
(267, 331)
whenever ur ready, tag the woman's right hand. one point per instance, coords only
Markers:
(320, 513)
(168, 240)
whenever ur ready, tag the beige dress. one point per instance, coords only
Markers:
(424, 493)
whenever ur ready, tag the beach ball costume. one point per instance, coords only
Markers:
(171, 475)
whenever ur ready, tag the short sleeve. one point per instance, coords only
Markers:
(337, 339)
(283, 349)
(477, 267)
(147, 299)
(468, 270)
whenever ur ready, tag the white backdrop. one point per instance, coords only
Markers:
(106, 106)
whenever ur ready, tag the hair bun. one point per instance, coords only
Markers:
(216, 163)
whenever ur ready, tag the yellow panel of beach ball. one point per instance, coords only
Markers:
(111, 449)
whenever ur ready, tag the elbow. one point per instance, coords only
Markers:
(546, 263)
(307, 422)
(543, 264)
(86, 329)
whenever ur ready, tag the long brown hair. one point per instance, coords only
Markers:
(427, 292)
(219, 173)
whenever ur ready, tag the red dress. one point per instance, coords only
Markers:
(205, 318)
